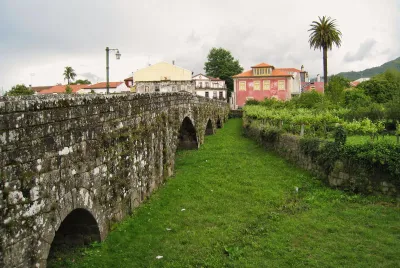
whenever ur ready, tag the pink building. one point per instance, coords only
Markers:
(266, 81)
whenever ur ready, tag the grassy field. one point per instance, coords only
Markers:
(232, 204)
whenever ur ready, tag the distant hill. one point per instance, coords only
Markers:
(394, 64)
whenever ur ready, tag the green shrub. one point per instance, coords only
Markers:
(271, 133)
(252, 102)
(310, 146)
(340, 136)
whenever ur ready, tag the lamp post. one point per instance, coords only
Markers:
(118, 56)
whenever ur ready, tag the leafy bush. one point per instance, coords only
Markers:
(340, 136)
(252, 102)
(379, 156)
(310, 146)
(271, 133)
(20, 90)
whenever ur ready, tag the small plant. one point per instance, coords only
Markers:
(68, 90)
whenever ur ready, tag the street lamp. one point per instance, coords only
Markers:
(118, 56)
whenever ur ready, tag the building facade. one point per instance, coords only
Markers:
(266, 81)
(210, 87)
(163, 77)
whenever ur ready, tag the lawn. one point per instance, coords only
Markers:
(232, 204)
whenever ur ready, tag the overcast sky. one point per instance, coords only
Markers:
(38, 38)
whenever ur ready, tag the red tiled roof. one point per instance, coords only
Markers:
(129, 79)
(104, 85)
(262, 64)
(40, 88)
(61, 89)
(354, 83)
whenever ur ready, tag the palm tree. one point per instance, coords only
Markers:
(324, 34)
(69, 74)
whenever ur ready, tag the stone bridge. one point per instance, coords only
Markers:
(71, 166)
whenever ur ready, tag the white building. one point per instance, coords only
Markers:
(101, 88)
(210, 87)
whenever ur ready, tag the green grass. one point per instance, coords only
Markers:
(242, 210)
(364, 139)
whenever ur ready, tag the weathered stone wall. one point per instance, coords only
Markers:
(101, 153)
(343, 175)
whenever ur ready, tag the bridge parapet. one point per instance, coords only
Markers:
(66, 155)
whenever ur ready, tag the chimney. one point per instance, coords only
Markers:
(173, 62)
(318, 78)
(302, 68)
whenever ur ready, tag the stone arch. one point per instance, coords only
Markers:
(79, 228)
(187, 137)
(209, 128)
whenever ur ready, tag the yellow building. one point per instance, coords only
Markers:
(163, 77)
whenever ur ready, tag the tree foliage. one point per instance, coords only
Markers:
(19, 90)
(69, 74)
(81, 82)
(324, 34)
(335, 90)
(220, 63)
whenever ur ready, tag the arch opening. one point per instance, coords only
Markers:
(209, 128)
(187, 135)
(219, 124)
(78, 229)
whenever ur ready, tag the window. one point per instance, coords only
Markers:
(242, 85)
(146, 89)
(256, 85)
(207, 95)
(207, 84)
(266, 85)
(200, 84)
(221, 94)
(281, 85)
(157, 88)
(269, 70)
(214, 94)
(215, 85)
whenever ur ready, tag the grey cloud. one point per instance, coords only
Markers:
(363, 51)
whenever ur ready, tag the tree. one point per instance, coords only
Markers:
(68, 90)
(379, 91)
(335, 89)
(324, 34)
(69, 74)
(81, 82)
(310, 100)
(220, 63)
(19, 90)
